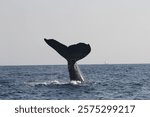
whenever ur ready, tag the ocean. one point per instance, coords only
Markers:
(51, 82)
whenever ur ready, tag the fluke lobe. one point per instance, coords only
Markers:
(72, 54)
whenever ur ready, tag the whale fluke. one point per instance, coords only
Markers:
(72, 54)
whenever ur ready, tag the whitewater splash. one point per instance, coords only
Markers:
(74, 82)
(34, 83)
(54, 82)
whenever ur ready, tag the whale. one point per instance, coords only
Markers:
(72, 54)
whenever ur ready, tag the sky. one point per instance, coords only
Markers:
(117, 30)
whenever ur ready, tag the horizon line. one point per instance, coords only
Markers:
(78, 64)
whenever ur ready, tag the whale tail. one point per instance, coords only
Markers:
(72, 54)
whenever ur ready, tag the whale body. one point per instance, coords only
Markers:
(72, 54)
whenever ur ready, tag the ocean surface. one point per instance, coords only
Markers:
(51, 82)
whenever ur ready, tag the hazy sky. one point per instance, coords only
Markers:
(117, 30)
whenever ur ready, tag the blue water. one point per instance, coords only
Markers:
(52, 82)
